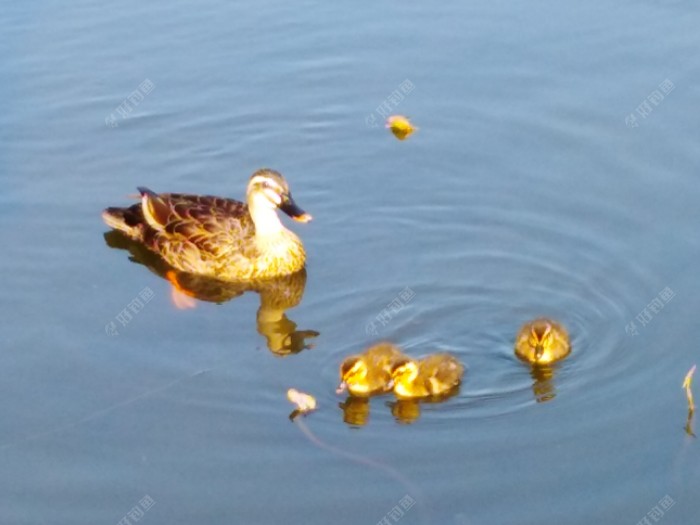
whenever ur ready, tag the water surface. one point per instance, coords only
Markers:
(527, 191)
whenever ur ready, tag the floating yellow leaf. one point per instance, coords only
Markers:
(400, 126)
(304, 402)
(687, 384)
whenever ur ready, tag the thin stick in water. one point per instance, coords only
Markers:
(687, 384)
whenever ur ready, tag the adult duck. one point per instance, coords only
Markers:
(218, 237)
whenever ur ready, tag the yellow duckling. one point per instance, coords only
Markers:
(370, 372)
(542, 341)
(434, 375)
(218, 237)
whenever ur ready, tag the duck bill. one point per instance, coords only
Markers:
(290, 207)
(341, 388)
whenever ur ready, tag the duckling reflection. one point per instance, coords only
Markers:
(355, 410)
(276, 295)
(405, 410)
(543, 383)
(408, 410)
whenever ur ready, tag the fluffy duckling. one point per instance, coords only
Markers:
(434, 375)
(370, 372)
(542, 341)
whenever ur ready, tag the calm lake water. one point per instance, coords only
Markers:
(555, 172)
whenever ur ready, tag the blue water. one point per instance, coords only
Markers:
(527, 190)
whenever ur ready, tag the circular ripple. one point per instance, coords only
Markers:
(478, 275)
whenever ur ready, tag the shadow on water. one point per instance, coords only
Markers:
(276, 295)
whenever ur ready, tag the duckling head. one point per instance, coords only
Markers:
(353, 375)
(404, 371)
(542, 341)
(541, 338)
(268, 191)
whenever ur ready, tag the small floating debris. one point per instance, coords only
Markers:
(400, 126)
(687, 385)
(305, 403)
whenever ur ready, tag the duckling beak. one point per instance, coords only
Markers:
(290, 207)
(539, 351)
(341, 387)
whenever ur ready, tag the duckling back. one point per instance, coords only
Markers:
(441, 372)
(434, 375)
(383, 355)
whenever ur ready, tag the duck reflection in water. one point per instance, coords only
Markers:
(541, 343)
(276, 295)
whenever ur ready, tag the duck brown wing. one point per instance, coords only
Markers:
(196, 233)
(211, 223)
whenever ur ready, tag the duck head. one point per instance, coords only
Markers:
(268, 191)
